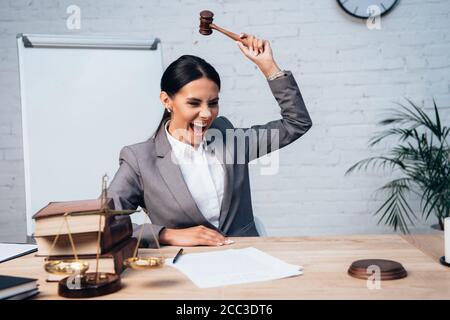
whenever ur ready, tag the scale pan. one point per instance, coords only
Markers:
(143, 263)
(66, 267)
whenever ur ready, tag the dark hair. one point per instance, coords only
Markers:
(185, 69)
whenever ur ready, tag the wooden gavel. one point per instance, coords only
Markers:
(206, 27)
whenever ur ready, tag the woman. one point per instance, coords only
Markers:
(195, 194)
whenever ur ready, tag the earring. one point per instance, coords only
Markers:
(168, 110)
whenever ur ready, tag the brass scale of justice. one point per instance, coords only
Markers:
(79, 283)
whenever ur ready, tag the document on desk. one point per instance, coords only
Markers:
(233, 266)
(10, 251)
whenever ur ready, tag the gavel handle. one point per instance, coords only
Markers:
(230, 34)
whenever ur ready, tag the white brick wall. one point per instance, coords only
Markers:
(347, 74)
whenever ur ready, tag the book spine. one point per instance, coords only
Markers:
(115, 231)
(122, 255)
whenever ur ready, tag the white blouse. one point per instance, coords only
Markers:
(203, 174)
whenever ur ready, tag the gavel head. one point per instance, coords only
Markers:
(206, 18)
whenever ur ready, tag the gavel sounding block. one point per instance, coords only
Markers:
(388, 269)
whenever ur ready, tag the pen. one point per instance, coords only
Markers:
(178, 255)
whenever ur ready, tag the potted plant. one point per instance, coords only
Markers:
(422, 156)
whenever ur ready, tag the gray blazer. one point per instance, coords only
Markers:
(147, 176)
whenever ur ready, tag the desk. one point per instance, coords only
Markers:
(325, 261)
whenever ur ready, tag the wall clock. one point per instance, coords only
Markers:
(359, 8)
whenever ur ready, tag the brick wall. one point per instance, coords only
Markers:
(347, 74)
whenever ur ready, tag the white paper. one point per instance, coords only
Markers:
(11, 250)
(232, 266)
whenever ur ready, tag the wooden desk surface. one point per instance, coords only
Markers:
(325, 261)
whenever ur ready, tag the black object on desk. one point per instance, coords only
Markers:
(178, 255)
(443, 262)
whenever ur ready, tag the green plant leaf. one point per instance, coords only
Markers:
(423, 160)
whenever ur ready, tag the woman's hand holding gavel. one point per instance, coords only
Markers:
(260, 52)
(257, 50)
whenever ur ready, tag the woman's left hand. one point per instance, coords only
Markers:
(260, 52)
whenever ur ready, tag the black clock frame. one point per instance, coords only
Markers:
(362, 17)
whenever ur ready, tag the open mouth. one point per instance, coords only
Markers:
(198, 128)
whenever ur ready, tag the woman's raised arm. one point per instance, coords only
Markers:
(259, 140)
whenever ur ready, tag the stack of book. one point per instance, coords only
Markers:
(17, 288)
(84, 225)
